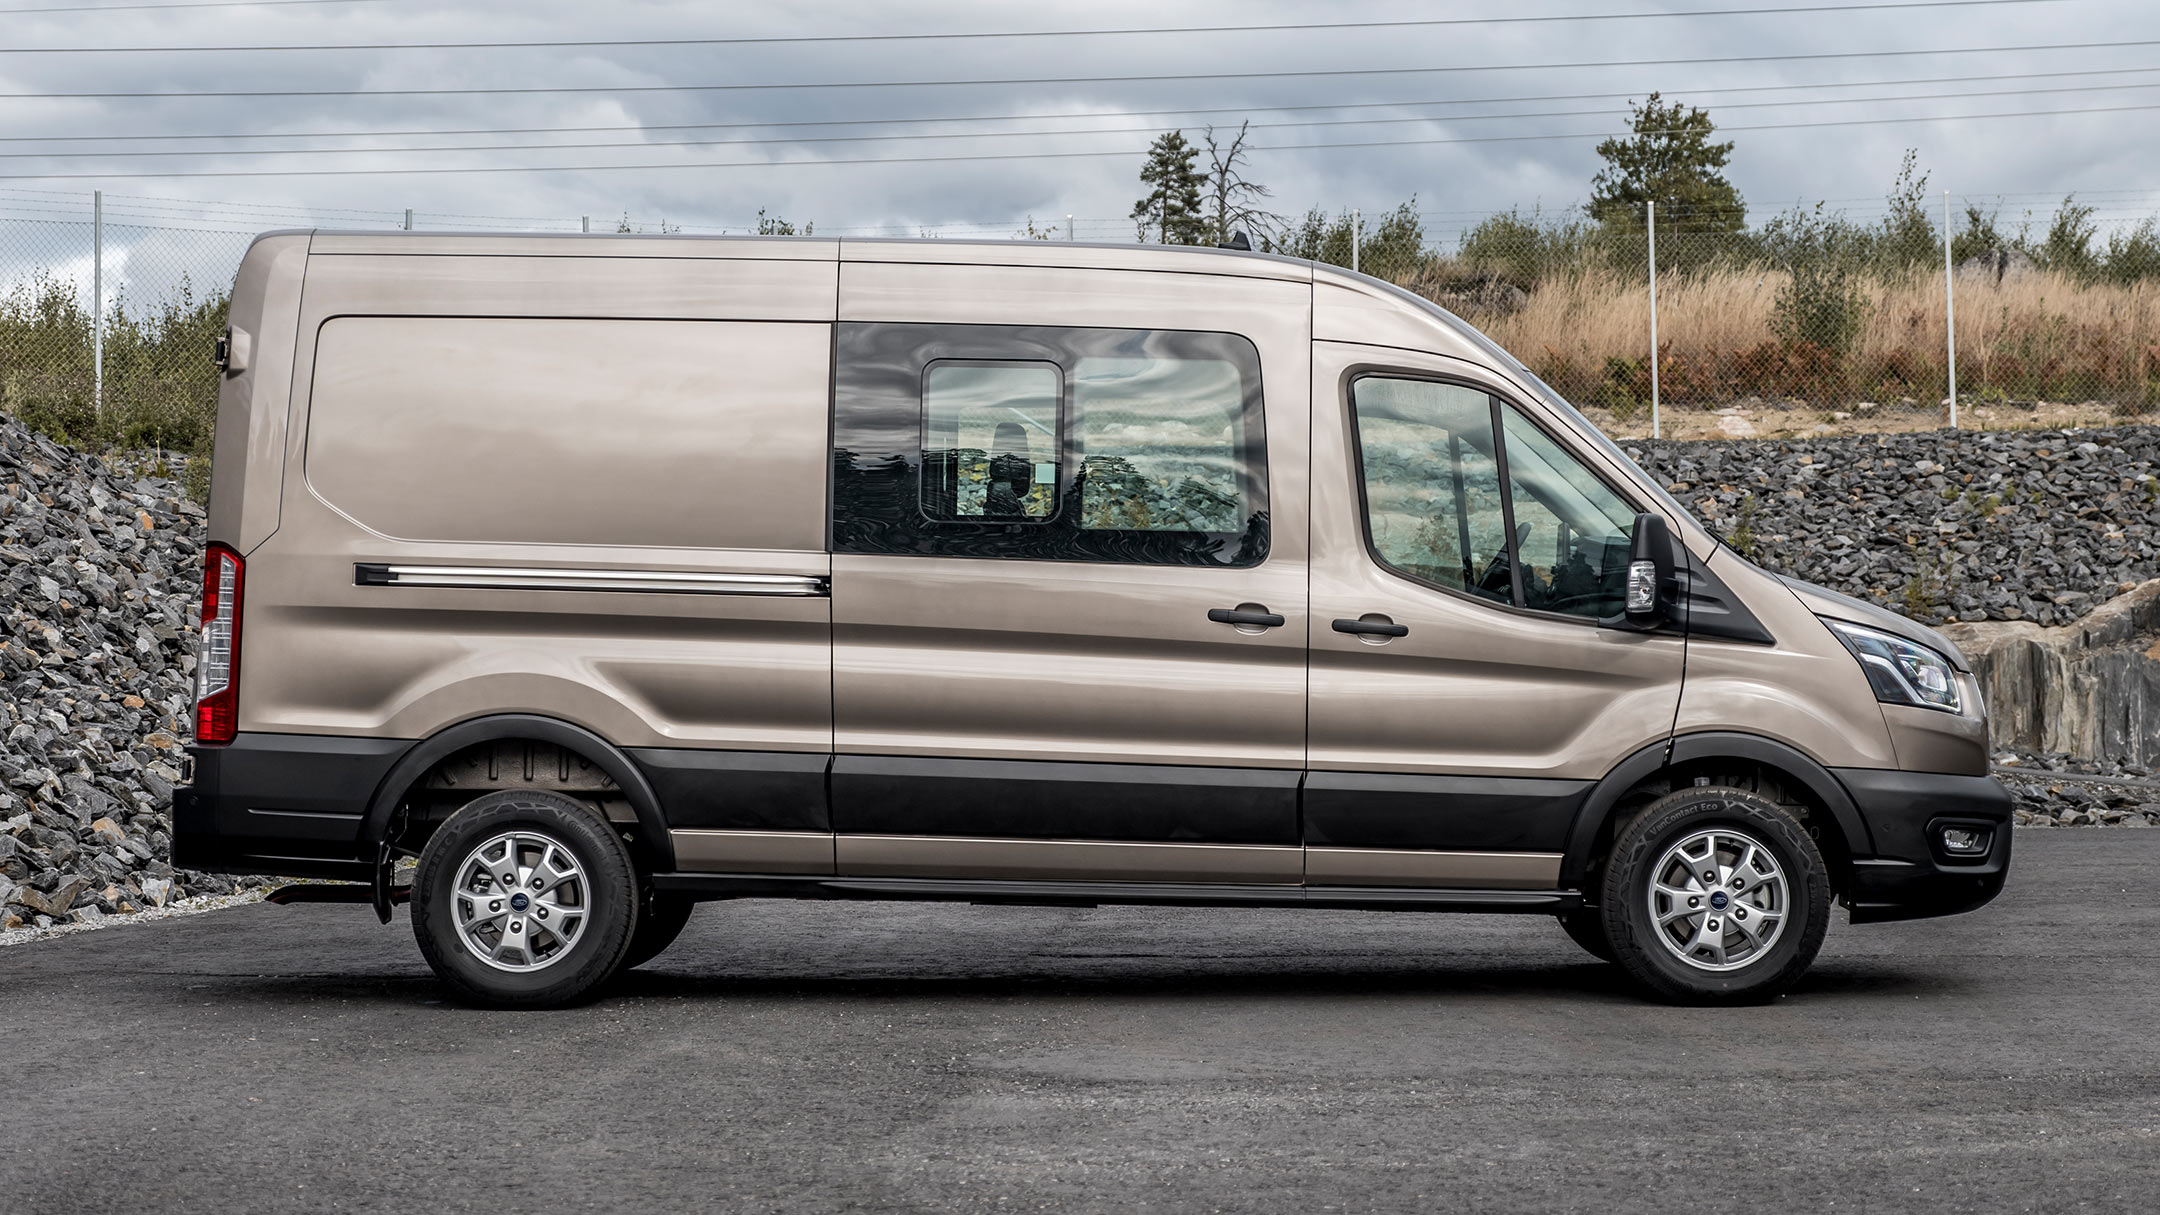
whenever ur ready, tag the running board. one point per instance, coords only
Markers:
(1091, 894)
(333, 892)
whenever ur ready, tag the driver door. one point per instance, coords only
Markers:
(1463, 697)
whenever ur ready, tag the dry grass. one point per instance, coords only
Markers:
(2035, 343)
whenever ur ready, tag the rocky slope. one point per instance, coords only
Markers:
(2039, 525)
(99, 572)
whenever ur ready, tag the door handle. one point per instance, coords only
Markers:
(1372, 628)
(1250, 619)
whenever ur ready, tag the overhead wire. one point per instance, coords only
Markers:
(1143, 78)
(809, 39)
(1717, 90)
(1010, 156)
(799, 140)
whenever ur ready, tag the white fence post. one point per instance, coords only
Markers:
(1069, 227)
(1357, 237)
(1950, 308)
(97, 301)
(408, 219)
(1655, 431)
(585, 224)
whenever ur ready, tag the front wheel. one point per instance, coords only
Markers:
(524, 899)
(1716, 895)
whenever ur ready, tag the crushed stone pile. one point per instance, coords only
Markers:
(100, 569)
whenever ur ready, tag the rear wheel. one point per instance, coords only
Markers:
(1715, 895)
(524, 899)
(658, 925)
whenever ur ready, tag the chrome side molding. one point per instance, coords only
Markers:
(506, 578)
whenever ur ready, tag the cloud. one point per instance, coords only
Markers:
(2027, 161)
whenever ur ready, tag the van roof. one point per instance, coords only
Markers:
(1081, 254)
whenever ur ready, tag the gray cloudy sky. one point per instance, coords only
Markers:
(2028, 161)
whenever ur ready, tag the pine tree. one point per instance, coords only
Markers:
(1171, 210)
(1668, 159)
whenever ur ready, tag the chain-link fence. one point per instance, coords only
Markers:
(1805, 325)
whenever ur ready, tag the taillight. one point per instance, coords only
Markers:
(217, 658)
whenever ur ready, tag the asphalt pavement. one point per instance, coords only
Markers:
(923, 1057)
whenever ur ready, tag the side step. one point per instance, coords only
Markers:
(333, 892)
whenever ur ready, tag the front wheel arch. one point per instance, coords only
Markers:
(1657, 768)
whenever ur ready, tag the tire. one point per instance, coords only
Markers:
(1587, 929)
(564, 941)
(658, 925)
(1767, 928)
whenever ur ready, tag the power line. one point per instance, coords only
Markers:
(799, 140)
(1140, 79)
(2082, 73)
(1273, 27)
(1011, 156)
(152, 8)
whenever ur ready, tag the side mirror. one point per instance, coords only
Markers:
(1652, 590)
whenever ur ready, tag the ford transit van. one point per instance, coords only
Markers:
(609, 575)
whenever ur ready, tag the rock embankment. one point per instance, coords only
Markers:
(2090, 689)
(2040, 525)
(2057, 790)
(99, 574)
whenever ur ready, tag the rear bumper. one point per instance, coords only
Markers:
(284, 804)
(1911, 876)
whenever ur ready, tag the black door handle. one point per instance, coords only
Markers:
(1373, 628)
(1266, 620)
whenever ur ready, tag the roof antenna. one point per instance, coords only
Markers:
(1238, 242)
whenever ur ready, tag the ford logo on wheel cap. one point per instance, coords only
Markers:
(518, 902)
(1718, 899)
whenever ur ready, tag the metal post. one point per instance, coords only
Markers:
(585, 224)
(1950, 308)
(408, 219)
(1357, 237)
(1165, 231)
(1655, 431)
(97, 301)
(1069, 227)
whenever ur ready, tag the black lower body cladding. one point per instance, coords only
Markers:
(288, 804)
(1912, 876)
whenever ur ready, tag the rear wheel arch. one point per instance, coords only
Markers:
(624, 780)
(1760, 765)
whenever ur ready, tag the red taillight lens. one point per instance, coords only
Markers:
(217, 657)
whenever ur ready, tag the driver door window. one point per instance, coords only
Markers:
(1432, 485)
(1464, 493)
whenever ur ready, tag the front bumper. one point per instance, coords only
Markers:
(289, 805)
(1910, 876)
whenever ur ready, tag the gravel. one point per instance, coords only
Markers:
(2057, 790)
(99, 571)
(2040, 525)
(100, 565)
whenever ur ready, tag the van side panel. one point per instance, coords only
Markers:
(255, 391)
(590, 514)
(558, 431)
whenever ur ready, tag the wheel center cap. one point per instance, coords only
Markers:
(518, 902)
(1718, 900)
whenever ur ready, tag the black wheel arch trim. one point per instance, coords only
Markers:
(1817, 780)
(604, 755)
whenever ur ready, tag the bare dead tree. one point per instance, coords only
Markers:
(1234, 199)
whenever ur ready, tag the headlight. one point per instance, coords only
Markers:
(1901, 672)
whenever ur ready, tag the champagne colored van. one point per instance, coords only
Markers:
(610, 575)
